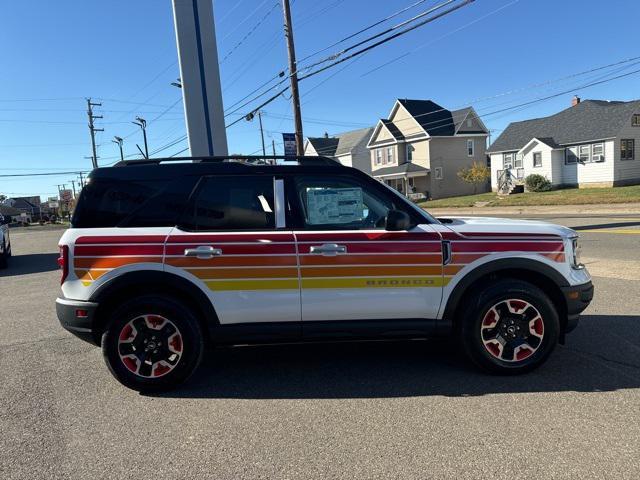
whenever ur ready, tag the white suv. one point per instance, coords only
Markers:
(165, 256)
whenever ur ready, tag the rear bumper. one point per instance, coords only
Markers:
(77, 317)
(578, 298)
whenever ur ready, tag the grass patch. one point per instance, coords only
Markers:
(567, 196)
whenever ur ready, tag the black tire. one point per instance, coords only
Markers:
(127, 334)
(4, 256)
(499, 310)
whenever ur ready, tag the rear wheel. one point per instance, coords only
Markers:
(510, 327)
(152, 343)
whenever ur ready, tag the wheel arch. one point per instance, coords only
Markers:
(138, 283)
(537, 273)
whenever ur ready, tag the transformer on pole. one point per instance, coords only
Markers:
(200, 77)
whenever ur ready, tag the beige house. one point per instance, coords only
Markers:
(422, 146)
(349, 148)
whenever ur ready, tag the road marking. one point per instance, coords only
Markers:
(604, 230)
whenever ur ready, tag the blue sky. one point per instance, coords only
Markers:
(53, 54)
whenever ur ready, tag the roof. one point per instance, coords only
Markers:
(588, 120)
(436, 120)
(324, 145)
(392, 129)
(22, 204)
(340, 144)
(8, 211)
(400, 169)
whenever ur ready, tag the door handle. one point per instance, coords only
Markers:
(328, 249)
(202, 252)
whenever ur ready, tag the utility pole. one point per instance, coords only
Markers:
(81, 180)
(119, 141)
(73, 186)
(273, 146)
(293, 75)
(93, 130)
(142, 123)
(264, 152)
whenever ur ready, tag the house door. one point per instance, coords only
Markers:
(351, 268)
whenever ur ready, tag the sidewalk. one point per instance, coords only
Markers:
(611, 209)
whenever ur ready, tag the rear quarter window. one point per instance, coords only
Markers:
(131, 203)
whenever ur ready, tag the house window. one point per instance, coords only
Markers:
(598, 152)
(584, 153)
(537, 159)
(570, 156)
(410, 150)
(507, 160)
(470, 148)
(518, 160)
(469, 123)
(626, 149)
(635, 120)
(389, 154)
(439, 175)
(378, 156)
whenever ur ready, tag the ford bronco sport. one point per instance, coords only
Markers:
(166, 256)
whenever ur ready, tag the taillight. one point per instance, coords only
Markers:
(63, 262)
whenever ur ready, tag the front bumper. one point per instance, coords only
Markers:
(77, 317)
(578, 298)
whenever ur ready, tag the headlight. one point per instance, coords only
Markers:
(575, 247)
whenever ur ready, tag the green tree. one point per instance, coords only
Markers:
(475, 174)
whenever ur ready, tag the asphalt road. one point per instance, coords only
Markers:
(370, 410)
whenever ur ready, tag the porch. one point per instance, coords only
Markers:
(409, 179)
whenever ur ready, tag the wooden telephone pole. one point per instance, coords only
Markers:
(293, 76)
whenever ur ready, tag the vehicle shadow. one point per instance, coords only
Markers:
(31, 263)
(601, 355)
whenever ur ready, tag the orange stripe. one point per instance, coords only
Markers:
(465, 258)
(112, 262)
(452, 269)
(226, 273)
(556, 257)
(427, 259)
(336, 272)
(243, 261)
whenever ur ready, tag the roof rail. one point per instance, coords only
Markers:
(262, 160)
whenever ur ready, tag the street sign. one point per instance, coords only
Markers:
(66, 195)
(53, 205)
(289, 140)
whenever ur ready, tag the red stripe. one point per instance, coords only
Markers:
(546, 236)
(507, 246)
(257, 249)
(416, 247)
(367, 236)
(224, 237)
(121, 239)
(95, 251)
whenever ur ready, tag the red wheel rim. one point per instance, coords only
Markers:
(150, 346)
(512, 330)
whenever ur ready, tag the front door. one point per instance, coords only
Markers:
(230, 245)
(351, 268)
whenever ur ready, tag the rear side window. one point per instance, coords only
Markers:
(241, 202)
(108, 202)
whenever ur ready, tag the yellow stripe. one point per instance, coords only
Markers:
(602, 230)
(375, 282)
(268, 284)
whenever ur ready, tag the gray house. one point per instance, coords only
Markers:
(349, 148)
(594, 143)
(420, 148)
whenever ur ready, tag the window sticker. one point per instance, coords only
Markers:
(334, 205)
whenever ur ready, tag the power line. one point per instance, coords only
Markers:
(249, 33)
(47, 174)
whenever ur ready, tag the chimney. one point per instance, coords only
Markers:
(575, 100)
(326, 135)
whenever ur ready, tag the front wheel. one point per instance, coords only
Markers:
(152, 343)
(510, 327)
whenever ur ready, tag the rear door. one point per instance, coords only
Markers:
(351, 268)
(231, 243)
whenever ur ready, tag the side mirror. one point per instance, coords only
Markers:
(397, 220)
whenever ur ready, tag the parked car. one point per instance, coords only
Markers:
(5, 241)
(164, 257)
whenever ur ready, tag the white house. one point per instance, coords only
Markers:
(594, 143)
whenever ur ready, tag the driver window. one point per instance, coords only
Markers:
(340, 204)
